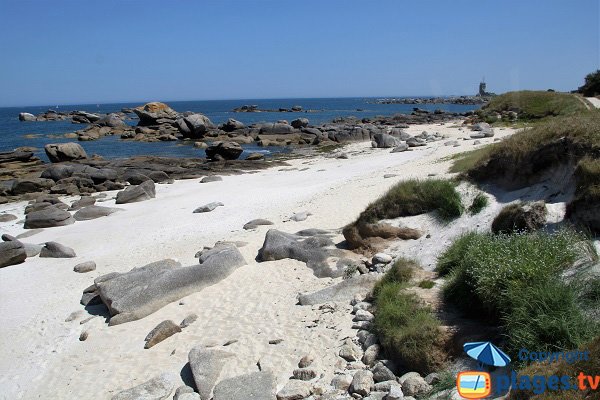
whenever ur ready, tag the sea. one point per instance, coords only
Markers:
(14, 133)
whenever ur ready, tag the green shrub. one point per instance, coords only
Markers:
(401, 272)
(409, 332)
(468, 159)
(453, 256)
(479, 203)
(591, 87)
(532, 105)
(414, 197)
(426, 284)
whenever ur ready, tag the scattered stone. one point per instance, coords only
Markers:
(400, 148)
(255, 157)
(304, 374)
(389, 176)
(382, 258)
(383, 140)
(301, 216)
(93, 212)
(255, 386)
(187, 321)
(7, 217)
(144, 191)
(350, 351)
(255, 223)
(341, 381)
(207, 364)
(211, 178)
(162, 331)
(371, 354)
(158, 388)
(294, 390)
(84, 335)
(208, 207)
(48, 217)
(363, 315)
(362, 383)
(84, 201)
(87, 266)
(306, 361)
(275, 341)
(381, 373)
(11, 253)
(56, 250)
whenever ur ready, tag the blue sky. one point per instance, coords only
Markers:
(65, 52)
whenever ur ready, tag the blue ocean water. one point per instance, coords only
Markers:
(14, 133)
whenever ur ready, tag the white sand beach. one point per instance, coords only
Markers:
(42, 356)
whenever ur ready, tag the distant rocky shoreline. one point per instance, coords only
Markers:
(465, 100)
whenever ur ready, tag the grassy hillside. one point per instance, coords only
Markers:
(532, 105)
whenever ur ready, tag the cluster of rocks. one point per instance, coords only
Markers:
(399, 140)
(255, 108)
(14, 251)
(481, 130)
(467, 100)
(77, 117)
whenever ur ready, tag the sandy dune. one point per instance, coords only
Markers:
(41, 353)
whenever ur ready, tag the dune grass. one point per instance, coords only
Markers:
(414, 197)
(515, 281)
(533, 105)
(479, 203)
(464, 161)
(409, 332)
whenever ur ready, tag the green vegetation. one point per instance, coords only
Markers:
(329, 148)
(515, 281)
(468, 159)
(414, 197)
(408, 331)
(533, 105)
(447, 382)
(479, 203)
(426, 284)
(591, 87)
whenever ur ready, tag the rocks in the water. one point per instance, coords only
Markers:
(93, 212)
(211, 178)
(84, 267)
(362, 383)
(299, 123)
(294, 390)
(276, 128)
(206, 365)
(224, 151)
(23, 116)
(144, 191)
(133, 295)
(313, 249)
(150, 113)
(255, 156)
(12, 252)
(7, 217)
(208, 207)
(162, 331)
(56, 250)
(342, 291)
(232, 125)
(383, 140)
(255, 223)
(58, 152)
(255, 386)
(197, 126)
(158, 388)
(520, 217)
(47, 217)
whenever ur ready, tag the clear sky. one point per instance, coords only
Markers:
(65, 52)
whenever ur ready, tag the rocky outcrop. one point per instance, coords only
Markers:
(59, 152)
(384, 141)
(206, 365)
(232, 125)
(365, 235)
(255, 386)
(224, 151)
(151, 113)
(133, 295)
(343, 291)
(144, 191)
(47, 217)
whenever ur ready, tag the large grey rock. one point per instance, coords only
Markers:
(112, 121)
(224, 151)
(206, 365)
(383, 140)
(314, 250)
(48, 217)
(342, 292)
(160, 332)
(371, 354)
(413, 384)
(30, 185)
(26, 117)
(381, 373)
(84, 267)
(151, 113)
(208, 207)
(145, 191)
(362, 383)
(158, 388)
(133, 295)
(341, 381)
(56, 250)
(58, 152)
(255, 386)
(197, 126)
(299, 123)
(56, 172)
(135, 177)
(350, 351)
(11, 253)
(232, 125)
(276, 128)
(93, 212)
(84, 201)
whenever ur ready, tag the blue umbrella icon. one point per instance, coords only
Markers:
(487, 353)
